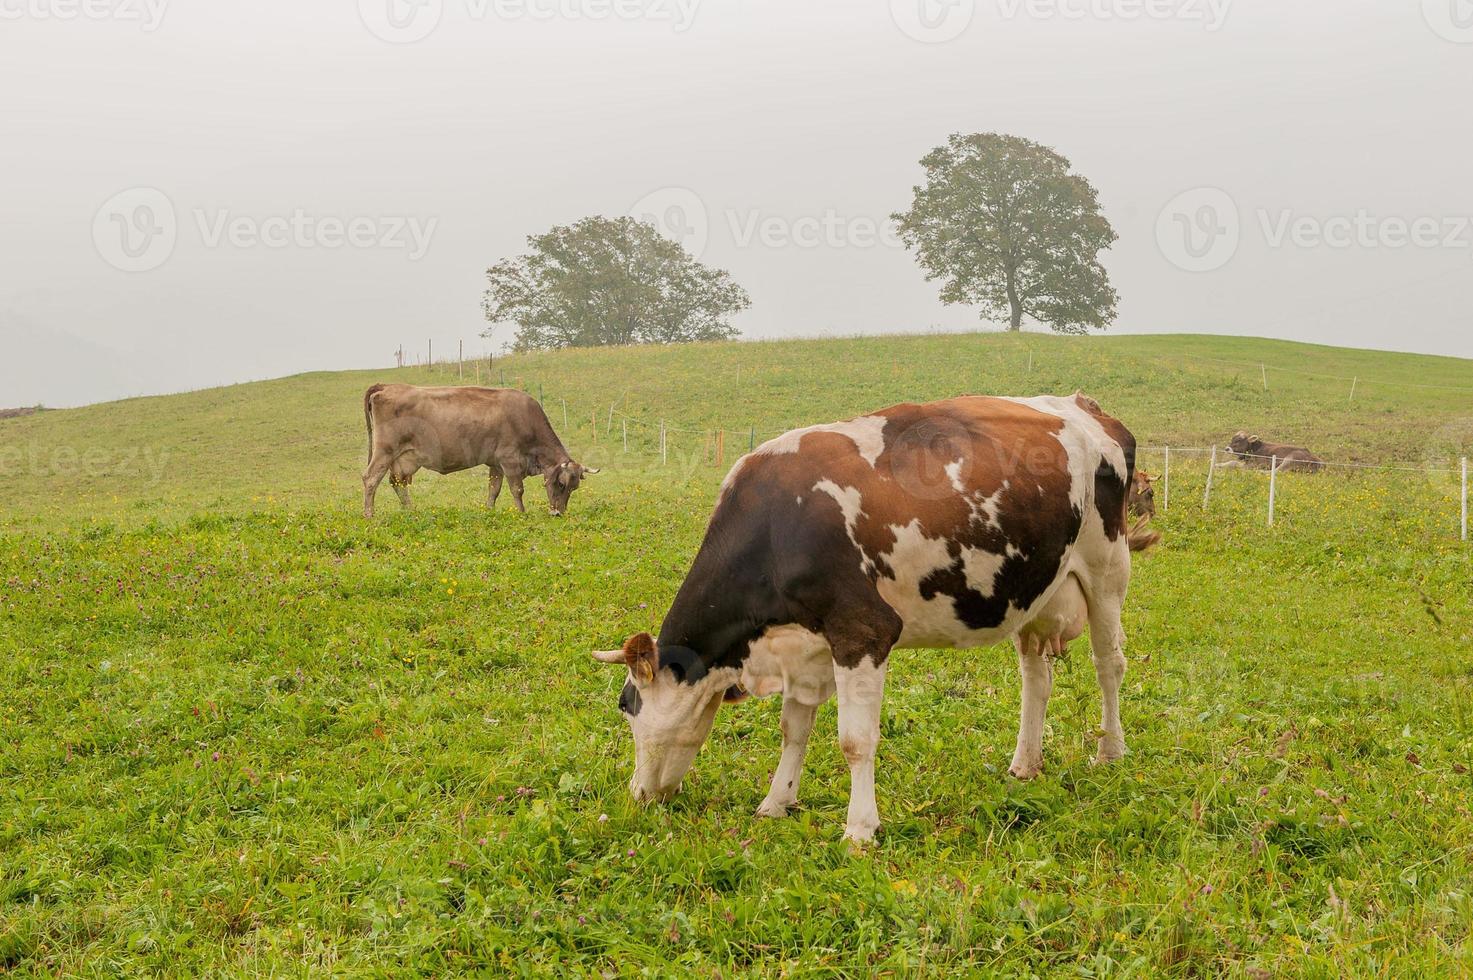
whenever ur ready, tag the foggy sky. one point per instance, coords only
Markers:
(275, 169)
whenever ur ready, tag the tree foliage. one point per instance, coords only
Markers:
(607, 281)
(1010, 229)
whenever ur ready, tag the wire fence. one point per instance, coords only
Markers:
(615, 423)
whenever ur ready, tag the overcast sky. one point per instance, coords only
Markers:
(202, 192)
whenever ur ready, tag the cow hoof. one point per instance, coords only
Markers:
(773, 808)
(1025, 772)
(860, 835)
(1107, 753)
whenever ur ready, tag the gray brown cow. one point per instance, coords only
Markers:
(446, 430)
(954, 524)
(1254, 453)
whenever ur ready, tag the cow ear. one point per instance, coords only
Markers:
(641, 656)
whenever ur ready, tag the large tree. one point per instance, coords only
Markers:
(609, 281)
(1011, 229)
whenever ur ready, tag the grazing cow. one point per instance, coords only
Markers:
(1254, 453)
(958, 523)
(451, 429)
(1142, 499)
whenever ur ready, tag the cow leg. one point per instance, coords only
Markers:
(493, 487)
(796, 724)
(515, 481)
(378, 467)
(860, 632)
(1107, 642)
(1038, 683)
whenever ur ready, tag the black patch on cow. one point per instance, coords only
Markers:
(1020, 580)
(629, 699)
(1110, 492)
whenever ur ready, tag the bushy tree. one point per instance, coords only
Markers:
(1009, 228)
(608, 281)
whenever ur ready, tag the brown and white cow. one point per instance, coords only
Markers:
(446, 430)
(957, 523)
(1254, 453)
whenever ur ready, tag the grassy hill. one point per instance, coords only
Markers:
(300, 441)
(243, 730)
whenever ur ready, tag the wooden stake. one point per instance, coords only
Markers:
(1353, 382)
(1211, 468)
(1166, 482)
(1264, 369)
(1273, 477)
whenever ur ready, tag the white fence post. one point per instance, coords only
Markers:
(1273, 476)
(1264, 369)
(1465, 498)
(663, 456)
(1166, 482)
(1353, 382)
(626, 434)
(565, 413)
(1211, 469)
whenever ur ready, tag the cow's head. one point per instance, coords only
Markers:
(1142, 499)
(1245, 445)
(670, 703)
(561, 480)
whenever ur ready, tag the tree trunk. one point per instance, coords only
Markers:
(1015, 307)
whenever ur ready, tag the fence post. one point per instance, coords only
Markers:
(1353, 382)
(1030, 361)
(1465, 498)
(751, 438)
(1211, 468)
(1166, 482)
(1264, 369)
(1273, 476)
(626, 434)
(565, 413)
(663, 456)
(594, 425)
(610, 426)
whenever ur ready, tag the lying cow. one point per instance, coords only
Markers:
(958, 523)
(1142, 498)
(1253, 453)
(451, 429)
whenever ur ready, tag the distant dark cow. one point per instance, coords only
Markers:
(451, 429)
(1254, 453)
(958, 523)
(1142, 499)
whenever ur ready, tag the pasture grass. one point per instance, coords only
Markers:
(244, 731)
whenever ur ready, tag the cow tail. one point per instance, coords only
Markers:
(368, 415)
(1139, 538)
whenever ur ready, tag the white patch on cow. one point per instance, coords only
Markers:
(792, 661)
(954, 471)
(866, 432)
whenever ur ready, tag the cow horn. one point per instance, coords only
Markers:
(609, 656)
(590, 470)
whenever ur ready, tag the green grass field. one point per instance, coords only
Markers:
(244, 731)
